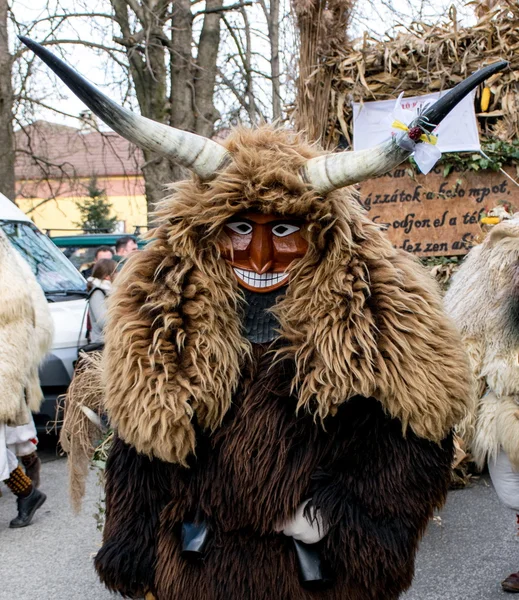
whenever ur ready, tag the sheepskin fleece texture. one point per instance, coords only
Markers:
(42, 335)
(483, 301)
(17, 323)
(497, 428)
(358, 317)
(375, 488)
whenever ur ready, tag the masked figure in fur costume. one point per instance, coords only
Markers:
(26, 334)
(483, 299)
(283, 382)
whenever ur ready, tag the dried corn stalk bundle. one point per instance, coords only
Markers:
(322, 26)
(81, 432)
(424, 59)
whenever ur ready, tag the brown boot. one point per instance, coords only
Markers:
(511, 583)
(32, 463)
(28, 500)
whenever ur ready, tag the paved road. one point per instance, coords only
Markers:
(465, 553)
(51, 559)
(469, 550)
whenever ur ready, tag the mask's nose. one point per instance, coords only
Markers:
(261, 251)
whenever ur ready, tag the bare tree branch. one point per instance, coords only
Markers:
(80, 43)
(208, 11)
(138, 10)
(23, 98)
(65, 16)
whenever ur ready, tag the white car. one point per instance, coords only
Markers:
(65, 290)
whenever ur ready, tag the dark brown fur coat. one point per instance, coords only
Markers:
(376, 488)
(355, 408)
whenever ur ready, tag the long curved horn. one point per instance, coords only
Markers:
(332, 171)
(200, 154)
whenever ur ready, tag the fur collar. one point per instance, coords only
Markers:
(358, 317)
(100, 284)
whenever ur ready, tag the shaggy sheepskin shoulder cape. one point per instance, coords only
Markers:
(23, 343)
(358, 317)
(483, 300)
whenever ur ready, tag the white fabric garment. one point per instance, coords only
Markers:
(505, 480)
(458, 131)
(300, 528)
(425, 154)
(97, 307)
(22, 440)
(8, 461)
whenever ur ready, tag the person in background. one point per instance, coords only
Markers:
(99, 287)
(124, 247)
(101, 253)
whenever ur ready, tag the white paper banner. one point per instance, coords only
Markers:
(458, 132)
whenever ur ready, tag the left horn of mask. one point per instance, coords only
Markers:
(200, 154)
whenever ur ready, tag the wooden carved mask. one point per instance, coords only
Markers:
(261, 247)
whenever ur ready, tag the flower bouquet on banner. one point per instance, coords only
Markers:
(427, 154)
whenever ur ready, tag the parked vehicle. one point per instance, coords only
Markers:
(65, 290)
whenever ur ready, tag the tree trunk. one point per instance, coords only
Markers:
(251, 102)
(155, 56)
(7, 180)
(149, 75)
(205, 73)
(273, 24)
(271, 13)
(182, 92)
(158, 173)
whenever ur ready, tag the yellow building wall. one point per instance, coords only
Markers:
(62, 213)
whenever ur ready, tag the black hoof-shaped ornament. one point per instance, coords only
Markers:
(312, 572)
(194, 540)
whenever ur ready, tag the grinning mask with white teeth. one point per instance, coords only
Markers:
(260, 249)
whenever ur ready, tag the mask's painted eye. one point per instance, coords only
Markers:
(283, 229)
(241, 227)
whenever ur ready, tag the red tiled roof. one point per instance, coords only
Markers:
(48, 150)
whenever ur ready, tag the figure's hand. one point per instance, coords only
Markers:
(307, 530)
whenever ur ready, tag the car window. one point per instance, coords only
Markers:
(53, 271)
(81, 257)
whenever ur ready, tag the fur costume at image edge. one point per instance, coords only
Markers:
(22, 439)
(26, 330)
(350, 406)
(483, 300)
